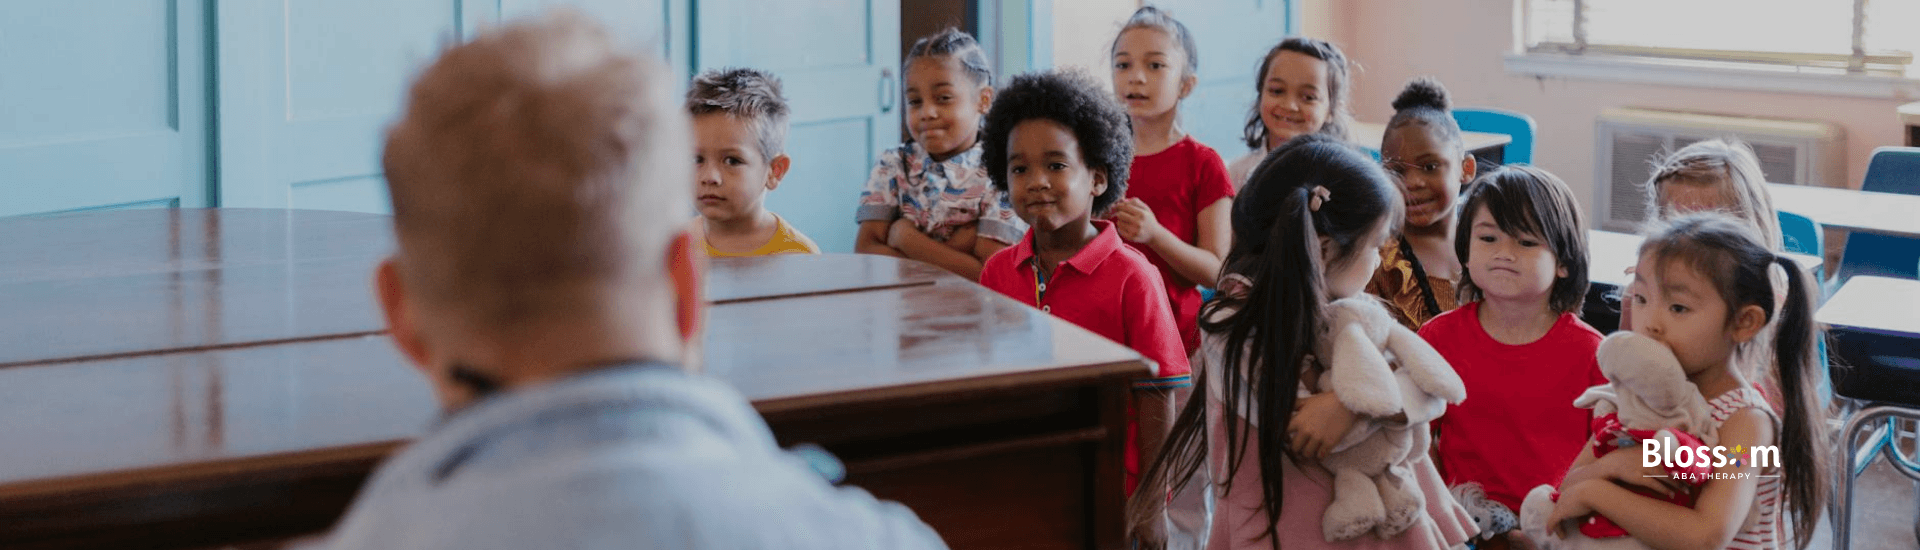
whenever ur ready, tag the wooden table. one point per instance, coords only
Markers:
(1865, 211)
(1609, 254)
(1001, 426)
(1486, 147)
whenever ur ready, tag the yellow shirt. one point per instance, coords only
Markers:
(786, 240)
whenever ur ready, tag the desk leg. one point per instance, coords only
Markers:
(1108, 498)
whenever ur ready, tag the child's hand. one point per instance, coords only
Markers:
(1624, 466)
(1572, 505)
(896, 234)
(963, 238)
(1135, 221)
(1319, 422)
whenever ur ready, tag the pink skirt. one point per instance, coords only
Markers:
(1239, 521)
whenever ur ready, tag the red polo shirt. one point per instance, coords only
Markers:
(1110, 289)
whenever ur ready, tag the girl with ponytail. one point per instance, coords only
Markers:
(1308, 228)
(1702, 287)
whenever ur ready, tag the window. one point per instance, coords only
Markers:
(1870, 37)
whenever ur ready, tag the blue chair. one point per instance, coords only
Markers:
(1801, 235)
(1501, 121)
(1892, 170)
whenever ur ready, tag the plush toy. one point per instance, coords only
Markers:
(1379, 369)
(1647, 396)
(1490, 517)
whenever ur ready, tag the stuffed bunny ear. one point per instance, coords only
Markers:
(1360, 374)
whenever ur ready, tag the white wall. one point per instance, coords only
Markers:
(1462, 44)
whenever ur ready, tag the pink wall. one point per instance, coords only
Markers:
(1461, 42)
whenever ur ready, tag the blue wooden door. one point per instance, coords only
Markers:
(103, 104)
(309, 87)
(1232, 36)
(660, 26)
(839, 63)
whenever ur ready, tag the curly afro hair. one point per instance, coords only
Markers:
(1074, 100)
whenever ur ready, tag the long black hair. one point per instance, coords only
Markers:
(1263, 334)
(1733, 256)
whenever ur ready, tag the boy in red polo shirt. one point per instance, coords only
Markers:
(1061, 148)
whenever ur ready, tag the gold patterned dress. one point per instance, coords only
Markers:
(1395, 283)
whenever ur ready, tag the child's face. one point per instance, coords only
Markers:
(1051, 185)
(1686, 197)
(1294, 99)
(1682, 309)
(944, 105)
(1429, 172)
(730, 177)
(1149, 72)
(1350, 278)
(1509, 267)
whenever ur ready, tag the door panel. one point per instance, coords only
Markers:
(838, 61)
(1232, 36)
(107, 105)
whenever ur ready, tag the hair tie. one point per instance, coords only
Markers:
(1320, 196)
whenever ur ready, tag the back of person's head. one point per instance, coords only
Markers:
(1526, 200)
(1338, 92)
(1730, 169)
(536, 173)
(1313, 187)
(1424, 103)
(954, 44)
(1073, 99)
(1730, 256)
(749, 95)
(1151, 17)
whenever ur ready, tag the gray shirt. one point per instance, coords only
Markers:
(632, 457)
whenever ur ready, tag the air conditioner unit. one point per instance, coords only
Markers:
(1630, 141)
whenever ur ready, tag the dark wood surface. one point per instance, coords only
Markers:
(108, 284)
(100, 285)
(936, 392)
(740, 279)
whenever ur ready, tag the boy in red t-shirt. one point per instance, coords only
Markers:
(1061, 150)
(1516, 343)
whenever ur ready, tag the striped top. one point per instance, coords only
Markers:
(1763, 529)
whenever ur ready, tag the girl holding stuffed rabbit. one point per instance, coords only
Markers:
(1702, 287)
(1309, 224)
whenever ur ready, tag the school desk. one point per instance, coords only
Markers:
(1001, 426)
(98, 285)
(1609, 254)
(1487, 147)
(1874, 325)
(1866, 211)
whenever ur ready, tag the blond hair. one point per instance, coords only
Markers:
(535, 169)
(1730, 166)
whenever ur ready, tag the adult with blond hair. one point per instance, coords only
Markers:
(546, 286)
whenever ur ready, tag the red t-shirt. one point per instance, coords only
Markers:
(1518, 427)
(1177, 184)
(1108, 289)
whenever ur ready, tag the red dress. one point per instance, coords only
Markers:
(1177, 184)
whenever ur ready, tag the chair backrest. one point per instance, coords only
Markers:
(1501, 121)
(1800, 235)
(1892, 170)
